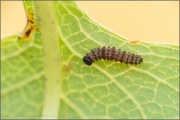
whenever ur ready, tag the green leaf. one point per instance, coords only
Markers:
(43, 75)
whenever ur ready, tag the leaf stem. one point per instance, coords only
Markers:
(46, 16)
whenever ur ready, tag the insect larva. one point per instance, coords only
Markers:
(108, 53)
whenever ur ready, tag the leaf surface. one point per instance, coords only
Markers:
(106, 89)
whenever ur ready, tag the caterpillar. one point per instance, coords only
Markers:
(108, 53)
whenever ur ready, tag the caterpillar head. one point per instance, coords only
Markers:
(87, 60)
